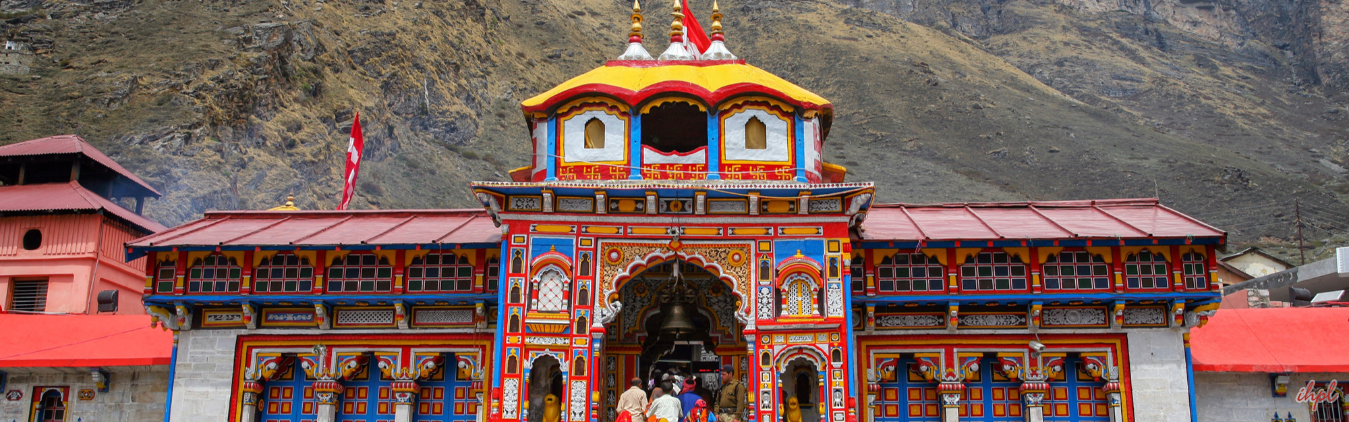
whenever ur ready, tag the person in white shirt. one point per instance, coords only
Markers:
(665, 407)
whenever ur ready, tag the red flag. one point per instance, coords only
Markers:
(693, 32)
(355, 148)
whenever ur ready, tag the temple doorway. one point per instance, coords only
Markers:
(800, 380)
(544, 380)
(677, 322)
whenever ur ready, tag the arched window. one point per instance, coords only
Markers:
(493, 274)
(51, 408)
(1195, 276)
(214, 274)
(517, 262)
(582, 326)
(765, 270)
(799, 296)
(905, 272)
(579, 368)
(514, 324)
(165, 277)
(756, 134)
(512, 365)
(584, 270)
(1078, 270)
(583, 296)
(1145, 270)
(550, 291)
(993, 271)
(283, 273)
(594, 134)
(515, 296)
(440, 272)
(359, 272)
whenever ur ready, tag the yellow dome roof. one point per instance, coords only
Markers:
(712, 81)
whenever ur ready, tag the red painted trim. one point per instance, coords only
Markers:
(247, 268)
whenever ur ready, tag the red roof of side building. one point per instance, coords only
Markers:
(71, 144)
(82, 341)
(68, 196)
(1273, 340)
(322, 228)
(1116, 218)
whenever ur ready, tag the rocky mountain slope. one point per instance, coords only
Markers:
(1226, 109)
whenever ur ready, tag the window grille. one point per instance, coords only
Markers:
(1076, 271)
(440, 272)
(493, 274)
(1195, 277)
(905, 273)
(165, 277)
(799, 296)
(51, 408)
(359, 272)
(993, 271)
(552, 293)
(29, 296)
(214, 274)
(283, 273)
(1145, 270)
(858, 272)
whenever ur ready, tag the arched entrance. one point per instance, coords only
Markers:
(638, 348)
(544, 379)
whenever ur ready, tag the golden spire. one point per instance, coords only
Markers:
(289, 206)
(677, 26)
(716, 21)
(636, 34)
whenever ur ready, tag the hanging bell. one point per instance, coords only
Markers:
(677, 322)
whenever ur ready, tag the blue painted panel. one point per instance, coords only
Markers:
(541, 245)
(635, 148)
(800, 149)
(1076, 398)
(992, 398)
(713, 146)
(366, 398)
(288, 398)
(552, 149)
(907, 397)
(811, 248)
(445, 398)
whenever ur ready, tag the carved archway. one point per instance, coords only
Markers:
(727, 261)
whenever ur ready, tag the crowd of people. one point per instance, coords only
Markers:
(675, 398)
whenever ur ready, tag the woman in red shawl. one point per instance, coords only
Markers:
(623, 416)
(700, 413)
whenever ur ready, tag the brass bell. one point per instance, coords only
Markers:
(677, 322)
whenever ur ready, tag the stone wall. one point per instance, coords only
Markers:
(1242, 396)
(201, 385)
(136, 395)
(1161, 392)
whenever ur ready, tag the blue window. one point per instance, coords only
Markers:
(1076, 271)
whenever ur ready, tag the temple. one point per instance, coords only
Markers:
(677, 213)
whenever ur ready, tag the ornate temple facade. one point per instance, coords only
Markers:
(685, 190)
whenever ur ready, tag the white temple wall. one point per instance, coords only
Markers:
(1161, 391)
(1246, 396)
(201, 385)
(136, 394)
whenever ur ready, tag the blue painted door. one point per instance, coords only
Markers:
(991, 397)
(366, 397)
(288, 398)
(1075, 396)
(446, 398)
(904, 395)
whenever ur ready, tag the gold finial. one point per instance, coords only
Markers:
(288, 206)
(716, 19)
(636, 21)
(677, 26)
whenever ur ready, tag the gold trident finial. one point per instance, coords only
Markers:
(677, 26)
(636, 33)
(716, 19)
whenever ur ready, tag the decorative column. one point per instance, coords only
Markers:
(404, 398)
(950, 370)
(1114, 395)
(1033, 393)
(251, 391)
(327, 393)
(951, 393)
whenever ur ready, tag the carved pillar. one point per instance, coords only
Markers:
(951, 393)
(1033, 393)
(327, 394)
(404, 398)
(1113, 396)
(251, 391)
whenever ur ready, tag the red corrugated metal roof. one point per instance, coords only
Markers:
(67, 197)
(82, 341)
(1117, 218)
(301, 228)
(70, 144)
(1273, 340)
